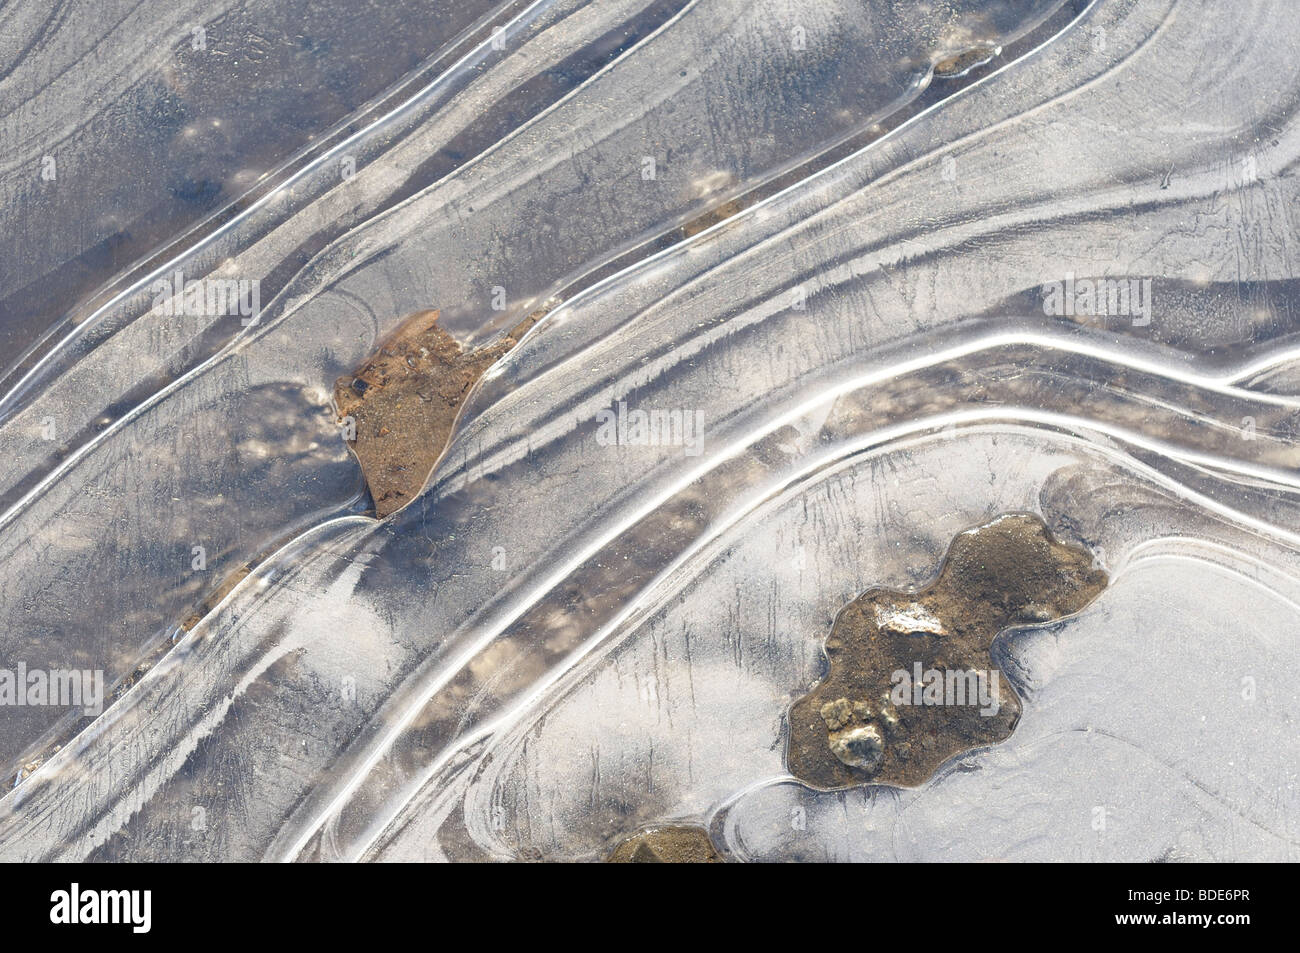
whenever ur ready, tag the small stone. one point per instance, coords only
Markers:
(908, 618)
(861, 748)
(837, 714)
(27, 770)
(889, 715)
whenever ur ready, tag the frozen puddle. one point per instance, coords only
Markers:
(1063, 288)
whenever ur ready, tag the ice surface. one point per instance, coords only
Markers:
(563, 640)
(240, 452)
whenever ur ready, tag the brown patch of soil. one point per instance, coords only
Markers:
(963, 63)
(403, 401)
(210, 603)
(710, 218)
(865, 723)
(667, 845)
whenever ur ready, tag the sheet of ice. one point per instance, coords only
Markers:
(567, 636)
(126, 124)
(224, 455)
(1145, 692)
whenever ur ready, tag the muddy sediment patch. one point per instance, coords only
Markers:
(684, 844)
(911, 681)
(226, 586)
(401, 403)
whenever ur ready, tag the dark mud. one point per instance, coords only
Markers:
(911, 682)
(667, 845)
(403, 401)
